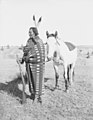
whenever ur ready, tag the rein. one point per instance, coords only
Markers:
(57, 42)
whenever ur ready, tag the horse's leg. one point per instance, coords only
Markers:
(66, 77)
(72, 73)
(56, 74)
(68, 73)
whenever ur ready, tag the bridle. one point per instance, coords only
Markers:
(47, 46)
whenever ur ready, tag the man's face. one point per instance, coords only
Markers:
(31, 33)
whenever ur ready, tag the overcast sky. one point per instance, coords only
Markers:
(73, 19)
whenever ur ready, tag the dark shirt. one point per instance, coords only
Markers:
(29, 46)
(34, 46)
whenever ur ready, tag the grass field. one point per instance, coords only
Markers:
(57, 105)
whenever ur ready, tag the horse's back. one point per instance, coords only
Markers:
(70, 46)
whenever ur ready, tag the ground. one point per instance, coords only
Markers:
(57, 104)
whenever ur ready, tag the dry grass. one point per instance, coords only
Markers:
(57, 105)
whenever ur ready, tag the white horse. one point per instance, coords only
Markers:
(61, 52)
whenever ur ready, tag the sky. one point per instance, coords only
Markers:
(73, 19)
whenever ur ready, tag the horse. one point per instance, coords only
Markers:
(64, 53)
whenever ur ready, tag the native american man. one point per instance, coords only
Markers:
(34, 57)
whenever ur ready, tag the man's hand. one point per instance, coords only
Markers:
(20, 60)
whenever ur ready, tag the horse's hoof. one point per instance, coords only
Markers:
(71, 84)
(67, 91)
(57, 86)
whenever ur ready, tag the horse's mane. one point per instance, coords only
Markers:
(68, 45)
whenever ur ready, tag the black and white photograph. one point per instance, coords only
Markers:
(46, 60)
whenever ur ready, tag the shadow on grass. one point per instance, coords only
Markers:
(12, 88)
(46, 79)
(49, 86)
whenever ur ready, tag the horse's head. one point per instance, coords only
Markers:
(51, 44)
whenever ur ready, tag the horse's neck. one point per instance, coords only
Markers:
(64, 46)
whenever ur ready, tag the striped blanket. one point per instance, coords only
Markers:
(35, 68)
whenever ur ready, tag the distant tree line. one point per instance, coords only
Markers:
(3, 47)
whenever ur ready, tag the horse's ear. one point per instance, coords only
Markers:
(56, 33)
(47, 34)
